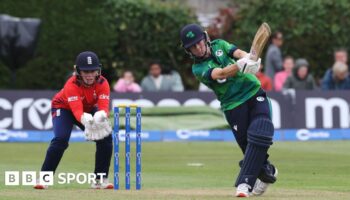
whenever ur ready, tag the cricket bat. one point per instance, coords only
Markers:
(260, 39)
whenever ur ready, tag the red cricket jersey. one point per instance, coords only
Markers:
(78, 98)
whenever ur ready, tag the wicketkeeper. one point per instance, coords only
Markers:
(83, 101)
(230, 73)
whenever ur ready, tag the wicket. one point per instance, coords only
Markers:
(127, 146)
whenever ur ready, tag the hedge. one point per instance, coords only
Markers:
(312, 29)
(125, 34)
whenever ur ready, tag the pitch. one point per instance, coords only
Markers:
(196, 170)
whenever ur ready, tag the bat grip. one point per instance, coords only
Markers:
(252, 55)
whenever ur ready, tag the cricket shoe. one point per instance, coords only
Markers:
(260, 187)
(105, 184)
(39, 186)
(243, 190)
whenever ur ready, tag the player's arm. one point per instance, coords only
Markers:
(245, 65)
(101, 116)
(76, 106)
(226, 72)
(103, 94)
(238, 53)
(74, 100)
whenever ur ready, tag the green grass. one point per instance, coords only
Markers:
(308, 170)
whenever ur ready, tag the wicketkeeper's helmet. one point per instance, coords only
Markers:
(87, 60)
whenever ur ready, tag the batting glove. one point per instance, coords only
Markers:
(248, 66)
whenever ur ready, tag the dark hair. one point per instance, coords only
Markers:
(342, 49)
(155, 62)
(288, 57)
(167, 69)
(128, 71)
(275, 34)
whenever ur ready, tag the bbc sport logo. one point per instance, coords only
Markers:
(15, 178)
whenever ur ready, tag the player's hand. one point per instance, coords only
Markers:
(247, 56)
(248, 66)
(253, 67)
(86, 119)
(92, 131)
(100, 116)
(242, 63)
(102, 123)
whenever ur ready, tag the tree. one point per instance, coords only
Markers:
(312, 29)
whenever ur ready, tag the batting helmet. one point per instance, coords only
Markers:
(87, 60)
(191, 34)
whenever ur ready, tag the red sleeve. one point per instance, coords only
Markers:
(72, 92)
(103, 96)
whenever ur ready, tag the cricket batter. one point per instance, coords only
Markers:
(83, 101)
(230, 73)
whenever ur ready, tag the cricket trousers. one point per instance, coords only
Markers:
(253, 130)
(63, 121)
(240, 117)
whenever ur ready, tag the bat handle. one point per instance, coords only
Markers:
(253, 55)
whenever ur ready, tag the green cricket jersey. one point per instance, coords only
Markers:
(233, 91)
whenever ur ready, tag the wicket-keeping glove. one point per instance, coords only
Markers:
(102, 123)
(88, 121)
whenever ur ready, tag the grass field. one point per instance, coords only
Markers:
(308, 170)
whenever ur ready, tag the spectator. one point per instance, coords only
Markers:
(155, 81)
(175, 77)
(266, 83)
(127, 83)
(341, 55)
(281, 77)
(300, 79)
(273, 58)
(336, 78)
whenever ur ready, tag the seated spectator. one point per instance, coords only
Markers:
(175, 78)
(281, 77)
(127, 83)
(341, 55)
(266, 83)
(155, 81)
(300, 79)
(336, 78)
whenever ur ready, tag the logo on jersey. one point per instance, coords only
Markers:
(103, 96)
(260, 98)
(235, 127)
(89, 60)
(219, 52)
(73, 98)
